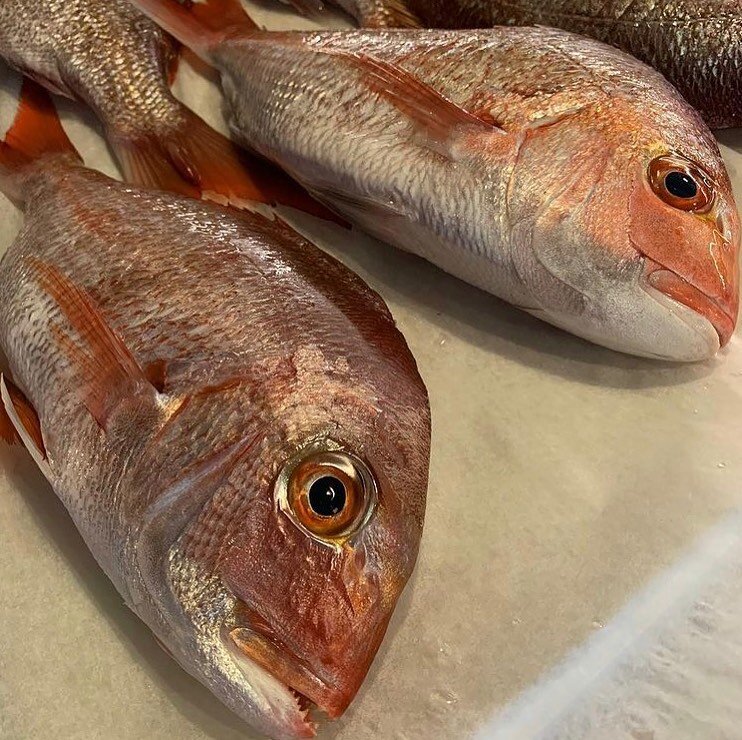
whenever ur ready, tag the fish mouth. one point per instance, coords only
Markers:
(287, 712)
(721, 316)
(293, 672)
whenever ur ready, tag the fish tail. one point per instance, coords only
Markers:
(35, 135)
(199, 25)
(193, 159)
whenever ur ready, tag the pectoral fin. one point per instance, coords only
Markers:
(436, 115)
(108, 372)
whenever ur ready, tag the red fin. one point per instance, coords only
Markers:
(7, 429)
(25, 420)
(172, 59)
(25, 414)
(196, 160)
(108, 371)
(156, 374)
(434, 113)
(200, 24)
(36, 132)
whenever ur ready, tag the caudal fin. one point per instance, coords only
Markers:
(197, 24)
(195, 160)
(36, 134)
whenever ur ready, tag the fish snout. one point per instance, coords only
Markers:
(708, 284)
(720, 312)
(320, 642)
(315, 620)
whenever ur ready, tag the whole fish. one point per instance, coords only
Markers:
(696, 44)
(230, 416)
(108, 55)
(553, 171)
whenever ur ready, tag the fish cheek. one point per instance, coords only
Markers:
(309, 596)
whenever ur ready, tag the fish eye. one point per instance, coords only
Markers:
(329, 494)
(680, 183)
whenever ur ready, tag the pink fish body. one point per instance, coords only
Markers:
(552, 171)
(233, 421)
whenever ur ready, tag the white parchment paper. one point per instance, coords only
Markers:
(566, 479)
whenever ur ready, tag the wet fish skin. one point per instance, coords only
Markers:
(696, 44)
(516, 159)
(253, 347)
(104, 53)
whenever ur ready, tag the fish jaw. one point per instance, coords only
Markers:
(285, 714)
(722, 315)
(291, 670)
(320, 637)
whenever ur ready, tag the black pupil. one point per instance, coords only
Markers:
(681, 185)
(327, 496)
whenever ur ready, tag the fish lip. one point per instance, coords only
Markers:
(677, 289)
(284, 665)
(297, 721)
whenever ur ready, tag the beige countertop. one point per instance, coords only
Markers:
(567, 482)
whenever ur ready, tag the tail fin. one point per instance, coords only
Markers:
(36, 133)
(195, 160)
(197, 24)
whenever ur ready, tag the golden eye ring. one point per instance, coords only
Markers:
(680, 183)
(330, 494)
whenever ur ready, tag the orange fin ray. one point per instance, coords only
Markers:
(199, 25)
(108, 371)
(432, 112)
(22, 415)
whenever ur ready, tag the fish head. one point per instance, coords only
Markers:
(685, 226)
(307, 544)
(629, 235)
